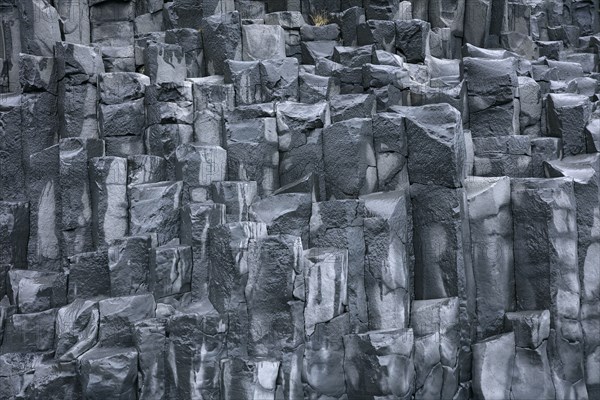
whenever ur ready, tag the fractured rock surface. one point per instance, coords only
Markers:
(299, 199)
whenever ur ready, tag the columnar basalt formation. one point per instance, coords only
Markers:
(288, 199)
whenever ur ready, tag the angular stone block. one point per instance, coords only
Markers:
(279, 79)
(370, 358)
(76, 329)
(162, 140)
(198, 166)
(237, 197)
(39, 25)
(262, 42)
(350, 165)
(493, 363)
(379, 32)
(37, 73)
(436, 145)
(245, 379)
(245, 76)
(88, 276)
(191, 43)
(146, 169)
(120, 87)
(150, 341)
(391, 150)
(28, 333)
(567, 115)
(123, 119)
(348, 106)
(118, 316)
(129, 264)
(13, 160)
(412, 39)
(34, 291)
(165, 63)
(109, 373)
(173, 270)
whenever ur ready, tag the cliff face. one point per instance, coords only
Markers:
(368, 199)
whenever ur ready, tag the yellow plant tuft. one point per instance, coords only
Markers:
(320, 18)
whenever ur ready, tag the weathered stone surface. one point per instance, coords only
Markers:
(34, 291)
(350, 165)
(89, 276)
(165, 63)
(39, 27)
(118, 316)
(246, 379)
(262, 42)
(13, 160)
(370, 358)
(412, 39)
(245, 75)
(222, 35)
(567, 115)
(274, 290)
(198, 166)
(150, 341)
(237, 197)
(339, 224)
(544, 242)
(279, 79)
(155, 207)
(196, 343)
(490, 224)
(146, 169)
(28, 333)
(109, 373)
(436, 145)
(391, 150)
(191, 43)
(108, 189)
(326, 283)
(436, 351)
(493, 362)
(76, 329)
(14, 233)
(129, 265)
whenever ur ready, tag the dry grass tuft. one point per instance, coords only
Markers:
(320, 18)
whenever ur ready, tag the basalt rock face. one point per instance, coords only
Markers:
(299, 199)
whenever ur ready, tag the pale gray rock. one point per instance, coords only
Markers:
(310, 33)
(129, 264)
(35, 291)
(109, 373)
(191, 43)
(89, 276)
(531, 328)
(118, 316)
(123, 119)
(165, 63)
(37, 73)
(262, 42)
(544, 149)
(339, 224)
(353, 57)
(196, 220)
(350, 164)
(163, 139)
(75, 19)
(13, 160)
(222, 35)
(490, 224)
(379, 32)
(212, 93)
(530, 100)
(314, 50)
(326, 287)
(108, 189)
(54, 381)
(76, 329)
(119, 87)
(493, 363)
(39, 26)
(348, 106)
(436, 145)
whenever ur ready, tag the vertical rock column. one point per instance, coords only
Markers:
(14, 236)
(76, 221)
(585, 171)
(491, 227)
(78, 70)
(121, 114)
(12, 156)
(340, 224)
(547, 273)
(212, 99)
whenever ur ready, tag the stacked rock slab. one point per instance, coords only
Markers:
(349, 199)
